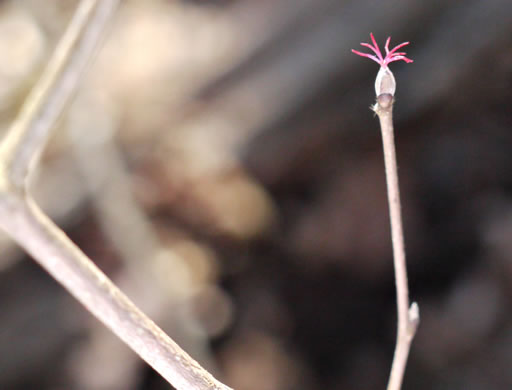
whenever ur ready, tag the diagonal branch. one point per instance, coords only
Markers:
(23, 220)
(30, 131)
(55, 252)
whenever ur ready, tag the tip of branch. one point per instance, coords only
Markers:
(385, 100)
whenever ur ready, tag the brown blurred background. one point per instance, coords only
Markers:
(221, 164)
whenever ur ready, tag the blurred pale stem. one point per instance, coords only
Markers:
(24, 221)
(408, 318)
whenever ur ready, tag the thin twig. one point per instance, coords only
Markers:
(22, 219)
(408, 317)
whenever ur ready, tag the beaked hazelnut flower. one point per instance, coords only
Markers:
(385, 81)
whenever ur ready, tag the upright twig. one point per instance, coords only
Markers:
(408, 317)
(23, 220)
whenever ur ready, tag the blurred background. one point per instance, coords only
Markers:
(221, 164)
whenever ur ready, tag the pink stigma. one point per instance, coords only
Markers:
(391, 55)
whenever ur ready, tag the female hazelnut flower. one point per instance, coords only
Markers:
(385, 82)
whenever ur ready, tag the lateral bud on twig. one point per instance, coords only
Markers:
(414, 319)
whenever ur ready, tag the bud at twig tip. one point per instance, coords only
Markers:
(385, 82)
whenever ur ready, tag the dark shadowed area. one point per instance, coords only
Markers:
(221, 164)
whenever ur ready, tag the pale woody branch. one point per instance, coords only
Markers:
(23, 220)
